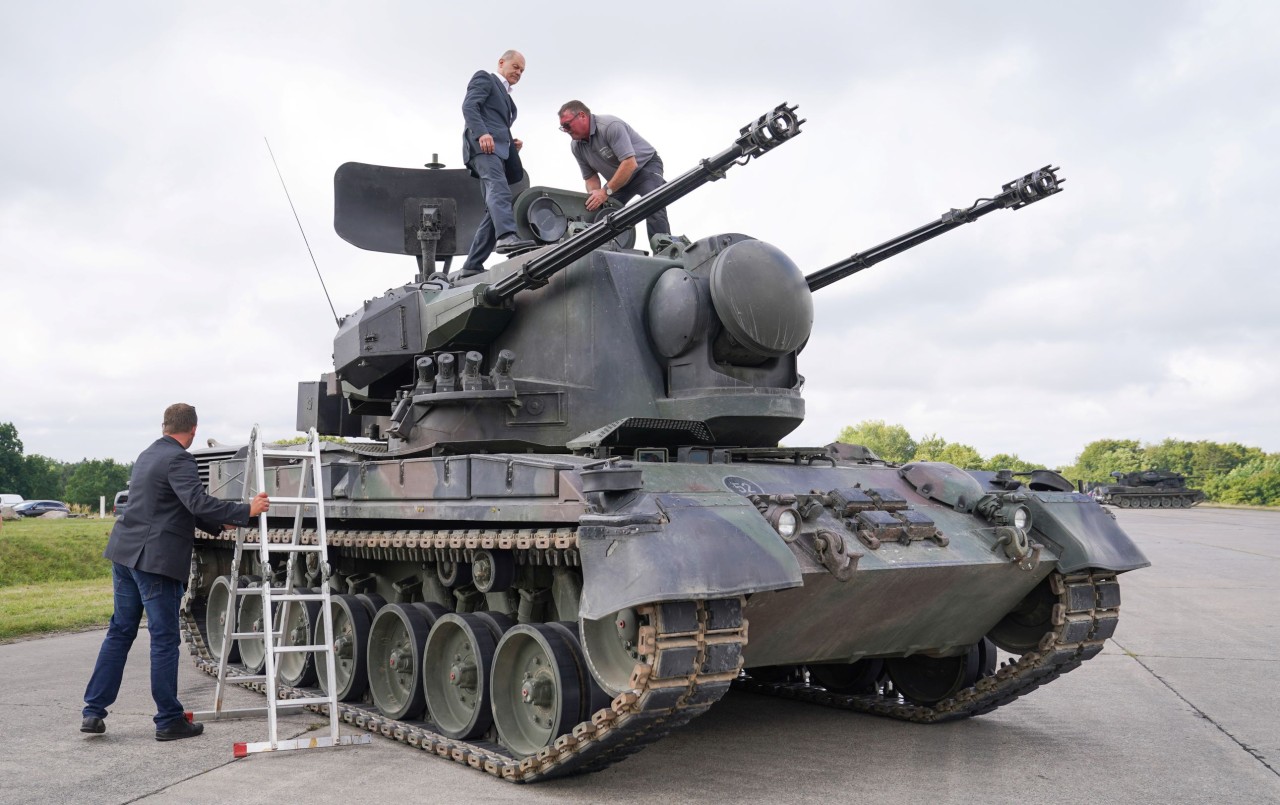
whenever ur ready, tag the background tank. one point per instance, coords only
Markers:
(571, 527)
(1150, 489)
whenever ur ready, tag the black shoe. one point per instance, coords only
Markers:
(93, 724)
(462, 275)
(178, 730)
(511, 243)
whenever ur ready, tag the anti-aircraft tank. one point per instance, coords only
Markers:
(563, 500)
(1149, 489)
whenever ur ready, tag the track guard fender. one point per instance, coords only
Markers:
(1084, 534)
(703, 546)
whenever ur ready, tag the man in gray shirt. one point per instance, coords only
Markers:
(606, 146)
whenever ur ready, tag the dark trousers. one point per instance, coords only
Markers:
(159, 596)
(643, 181)
(499, 218)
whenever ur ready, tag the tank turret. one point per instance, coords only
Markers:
(584, 344)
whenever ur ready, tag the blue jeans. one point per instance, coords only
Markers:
(159, 596)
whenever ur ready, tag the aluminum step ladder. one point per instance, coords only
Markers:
(272, 633)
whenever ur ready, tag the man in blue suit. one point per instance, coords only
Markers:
(150, 551)
(493, 156)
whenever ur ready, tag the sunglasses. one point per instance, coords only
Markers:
(565, 125)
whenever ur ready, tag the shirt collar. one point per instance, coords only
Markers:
(505, 84)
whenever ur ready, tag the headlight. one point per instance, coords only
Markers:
(1019, 517)
(786, 520)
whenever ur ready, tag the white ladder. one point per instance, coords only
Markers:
(271, 634)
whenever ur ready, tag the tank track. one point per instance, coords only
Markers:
(689, 653)
(1085, 615)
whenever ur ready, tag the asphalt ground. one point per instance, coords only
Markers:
(1182, 706)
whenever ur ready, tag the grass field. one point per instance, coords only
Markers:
(53, 576)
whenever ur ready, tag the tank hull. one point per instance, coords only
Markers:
(1146, 497)
(875, 568)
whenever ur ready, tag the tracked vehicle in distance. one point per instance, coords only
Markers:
(564, 499)
(1149, 489)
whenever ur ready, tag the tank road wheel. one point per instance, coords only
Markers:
(253, 650)
(453, 574)
(493, 571)
(1022, 628)
(396, 640)
(456, 675)
(215, 616)
(848, 678)
(298, 668)
(927, 680)
(351, 621)
(1166, 502)
(593, 696)
(537, 691)
(610, 648)
(1123, 503)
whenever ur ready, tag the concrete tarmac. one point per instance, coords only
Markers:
(1182, 706)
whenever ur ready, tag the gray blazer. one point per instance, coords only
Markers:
(488, 109)
(166, 502)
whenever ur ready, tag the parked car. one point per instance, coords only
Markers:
(35, 508)
(10, 500)
(122, 500)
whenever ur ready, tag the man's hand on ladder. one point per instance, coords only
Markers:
(259, 504)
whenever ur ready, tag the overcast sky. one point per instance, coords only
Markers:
(148, 255)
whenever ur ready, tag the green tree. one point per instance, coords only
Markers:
(10, 459)
(889, 442)
(1210, 459)
(1256, 482)
(930, 448)
(1102, 457)
(1171, 455)
(96, 478)
(935, 448)
(962, 455)
(1007, 461)
(43, 478)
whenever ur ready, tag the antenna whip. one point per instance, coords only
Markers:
(300, 229)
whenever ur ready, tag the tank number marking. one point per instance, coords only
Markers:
(742, 486)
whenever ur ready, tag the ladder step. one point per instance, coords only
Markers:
(278, 594)
(310, 700)
(297, 597)
(243, 749)
(298, 649)
(294, 501)
(246, 678)
(284, 547)
(280, 452)
(242, 712)
(248, 635)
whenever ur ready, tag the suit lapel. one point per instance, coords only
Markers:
(502, 93)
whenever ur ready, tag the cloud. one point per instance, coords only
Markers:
(149, 255)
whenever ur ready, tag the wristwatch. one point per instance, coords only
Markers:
(608, 191)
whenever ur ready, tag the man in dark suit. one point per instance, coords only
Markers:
(493, 156)
(150, 551)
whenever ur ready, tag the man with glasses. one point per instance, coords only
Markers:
(493, 156)
(605, 146)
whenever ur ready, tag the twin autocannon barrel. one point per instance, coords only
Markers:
(1014, 195)
(754, 140)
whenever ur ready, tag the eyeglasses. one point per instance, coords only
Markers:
(565, 125)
